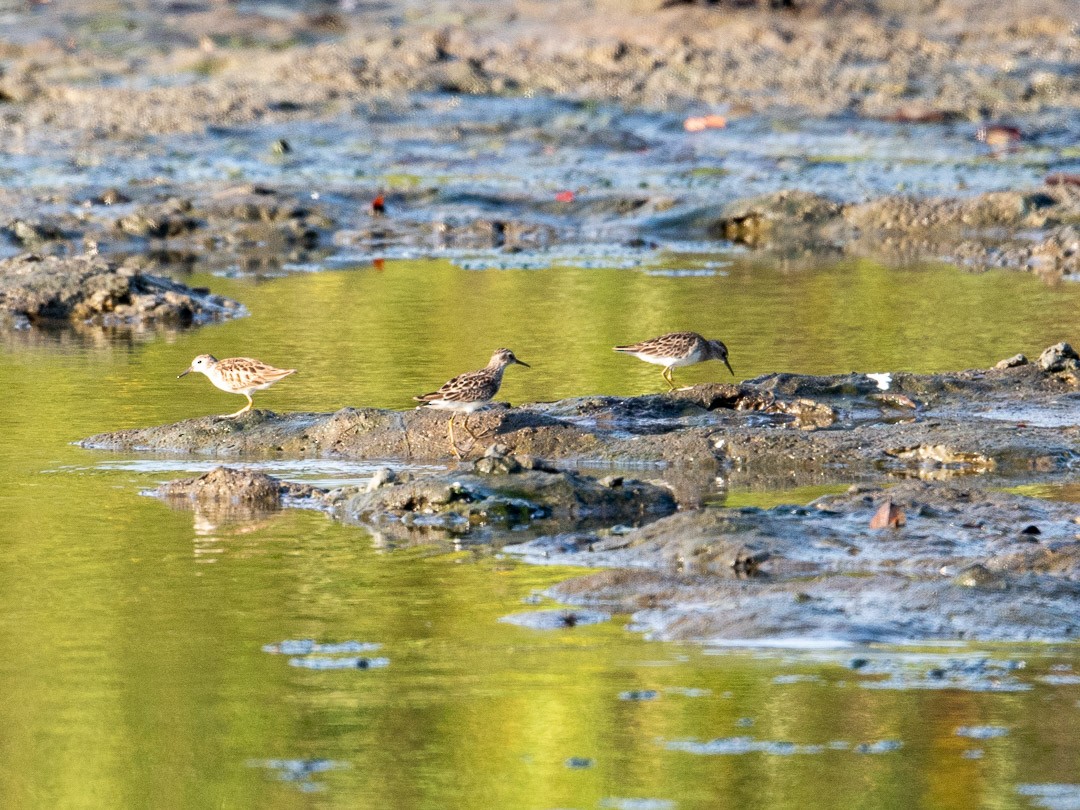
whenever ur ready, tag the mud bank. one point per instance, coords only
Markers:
(939, 61)
(966, 563)
(124, 138)
(498, 491)
(1016, 422)
(913, 562)
(42, 291)
(1037, 230)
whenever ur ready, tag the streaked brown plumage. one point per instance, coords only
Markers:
(470, 391)
(677, 349)
(238, 375)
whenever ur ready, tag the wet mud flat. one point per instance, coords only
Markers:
(255, 140)
(925, 546)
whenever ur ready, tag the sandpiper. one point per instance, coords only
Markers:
(238, 375)
(471, 391)
(677, 349)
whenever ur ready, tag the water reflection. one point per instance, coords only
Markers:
(133, 670)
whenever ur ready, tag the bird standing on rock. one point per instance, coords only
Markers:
(677, 349)
(470, 391)
(237, 375)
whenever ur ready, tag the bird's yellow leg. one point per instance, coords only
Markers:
(467, 430)
(667, 376)
(453, 442)
(243, 410)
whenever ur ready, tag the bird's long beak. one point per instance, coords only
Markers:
(186, 372)
(729, 368)
(522, 363)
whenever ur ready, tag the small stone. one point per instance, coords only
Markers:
(979, 576)
(578, 763)
(1059, 357)
(1012, 362)
(111, 196)
(382, 476)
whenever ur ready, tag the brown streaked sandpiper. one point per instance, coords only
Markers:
(677, 349)
(238, 375)
(471, 391)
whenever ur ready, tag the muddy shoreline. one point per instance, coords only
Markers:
(1012, 421)
(927, 547)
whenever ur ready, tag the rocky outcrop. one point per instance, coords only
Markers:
(499, 490)
(780, 428)
(39, 290)
(967, 563)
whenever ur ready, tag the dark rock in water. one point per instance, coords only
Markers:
(505, 489)
(225, 485)
(1059, 357)
(578, 763)
(454, 502)
(89, 289)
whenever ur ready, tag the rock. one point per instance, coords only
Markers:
(979, 576)
(820, 572)
(1059, 357)
(90, 289)
(1012, 362)
(382, 477)
(497, 461)
(751, 221)
(227, 484)
(512, 495)
(227, 495)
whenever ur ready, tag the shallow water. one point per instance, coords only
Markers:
(133, 662)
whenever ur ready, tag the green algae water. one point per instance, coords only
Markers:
(158, 658)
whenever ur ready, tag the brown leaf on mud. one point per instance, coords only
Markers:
(888, 516)
(700, 123)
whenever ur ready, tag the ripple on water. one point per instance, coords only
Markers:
(1052, 796)
(299, 772)
(736, 746)
(981, 732)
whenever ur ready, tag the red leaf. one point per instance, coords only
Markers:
(564, 196)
